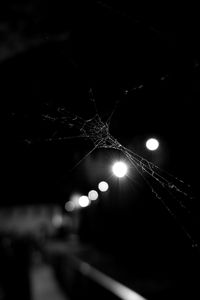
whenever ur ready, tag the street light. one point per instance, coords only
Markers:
(152, 144)
(103, 186)
(119, 169)
(83, 201)
(93, 195)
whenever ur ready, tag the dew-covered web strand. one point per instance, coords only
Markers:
(84, 157)
(140, 169)
(112, 112)
(169, 210)
(66, 119)
(92, 129)
(159, 174)
(92, 100)
(62, 139)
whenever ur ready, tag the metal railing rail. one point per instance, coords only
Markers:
(115, 287)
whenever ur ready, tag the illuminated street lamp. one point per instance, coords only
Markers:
(93, 195)
(103, 186)
(152, 144)
(83, 201)
(119, 169)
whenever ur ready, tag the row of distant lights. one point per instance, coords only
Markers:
(119, 169)
(78, 201)
(93, 195)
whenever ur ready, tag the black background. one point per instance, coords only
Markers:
(51, 55)
(110, 47)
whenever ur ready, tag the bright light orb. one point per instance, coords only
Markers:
(74, 198)
(93, 195)
(103, 186)
(119, 169)
(83, 201)
(152, 144)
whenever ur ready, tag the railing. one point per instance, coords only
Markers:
(113, 286)
(83, 281)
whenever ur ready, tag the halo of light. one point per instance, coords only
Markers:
(119, 169)
(70, 206)
(93, 195)
(152, 144)
(74, 198)
(83, 201)
(103, 186)
(57, 220)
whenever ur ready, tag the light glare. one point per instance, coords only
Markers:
(70, 206)
(103, 186)
(84, 201)
(119, 169)
(152, 144)
(74, 198)
(57, 220)
(93, 195)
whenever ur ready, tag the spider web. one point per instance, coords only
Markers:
(162, 184)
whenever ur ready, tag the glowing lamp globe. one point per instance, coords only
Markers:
(83, 201)
(93, 195)
(103, 186)
(119, 169)
(152, 144)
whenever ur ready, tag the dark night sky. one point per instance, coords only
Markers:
(50, 56)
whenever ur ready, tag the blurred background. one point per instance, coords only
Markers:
(140, 64)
